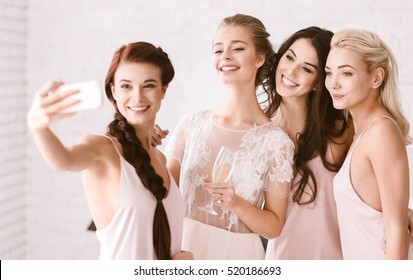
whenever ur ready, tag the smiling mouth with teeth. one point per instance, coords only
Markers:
(138, 108)
(229, 68)
(288, 82)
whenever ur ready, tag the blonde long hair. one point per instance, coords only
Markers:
(376, 54)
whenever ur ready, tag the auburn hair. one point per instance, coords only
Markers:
(133, 151)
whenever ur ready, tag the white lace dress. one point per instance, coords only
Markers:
(265, 154)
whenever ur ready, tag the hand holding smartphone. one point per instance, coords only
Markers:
(90, 95)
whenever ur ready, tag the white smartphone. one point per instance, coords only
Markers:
(90, 95)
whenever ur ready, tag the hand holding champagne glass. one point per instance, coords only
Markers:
(221, 172)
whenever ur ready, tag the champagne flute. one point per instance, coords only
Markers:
(221, 172)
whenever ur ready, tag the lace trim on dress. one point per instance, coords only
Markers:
(269, 152)
(198, 129)
(265, 159)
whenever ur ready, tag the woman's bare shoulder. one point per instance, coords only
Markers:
(102, 147)
(383, 133)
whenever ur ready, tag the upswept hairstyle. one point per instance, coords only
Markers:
(324, 123)
(260, 39)
(133, 151)
(376, 54)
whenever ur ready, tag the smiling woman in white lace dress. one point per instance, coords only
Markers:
(254, 201)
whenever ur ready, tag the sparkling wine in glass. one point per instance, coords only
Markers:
(221, 172)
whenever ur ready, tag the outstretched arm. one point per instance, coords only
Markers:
(48, 105)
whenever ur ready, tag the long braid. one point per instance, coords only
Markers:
(133, 151)
(139, 158)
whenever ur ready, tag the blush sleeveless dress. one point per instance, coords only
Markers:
(129, 234)
(361, 226)
(310, 231)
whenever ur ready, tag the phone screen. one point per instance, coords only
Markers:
(90, 95)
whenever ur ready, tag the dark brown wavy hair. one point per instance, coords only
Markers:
(321, 120)
(133, 151)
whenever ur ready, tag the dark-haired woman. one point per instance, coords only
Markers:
(302, 107)
(134, 201)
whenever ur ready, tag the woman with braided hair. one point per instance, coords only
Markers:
(125, 178)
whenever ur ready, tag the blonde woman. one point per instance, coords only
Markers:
(254, 202)
(372, 187)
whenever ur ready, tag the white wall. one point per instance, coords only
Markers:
(74, 40)
(13, 138)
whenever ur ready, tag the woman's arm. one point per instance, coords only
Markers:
(175, 168)
(47, 106)
(411, 224)
(267, 222)
(388, 158)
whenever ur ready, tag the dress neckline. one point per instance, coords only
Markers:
(122, 158)
(254, 126)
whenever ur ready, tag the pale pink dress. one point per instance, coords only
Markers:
(129, 235)
(310, 231)
(265, 158)
(361, 226)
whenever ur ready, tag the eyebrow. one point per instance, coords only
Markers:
(342, 66)
(150, 81)
(233, 42)
(307, 63)
(146, 81)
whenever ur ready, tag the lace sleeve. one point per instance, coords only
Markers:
(176, 145)
(281, 171)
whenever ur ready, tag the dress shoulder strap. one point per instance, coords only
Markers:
(159, 154)
(367, 127)
(113, 142)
